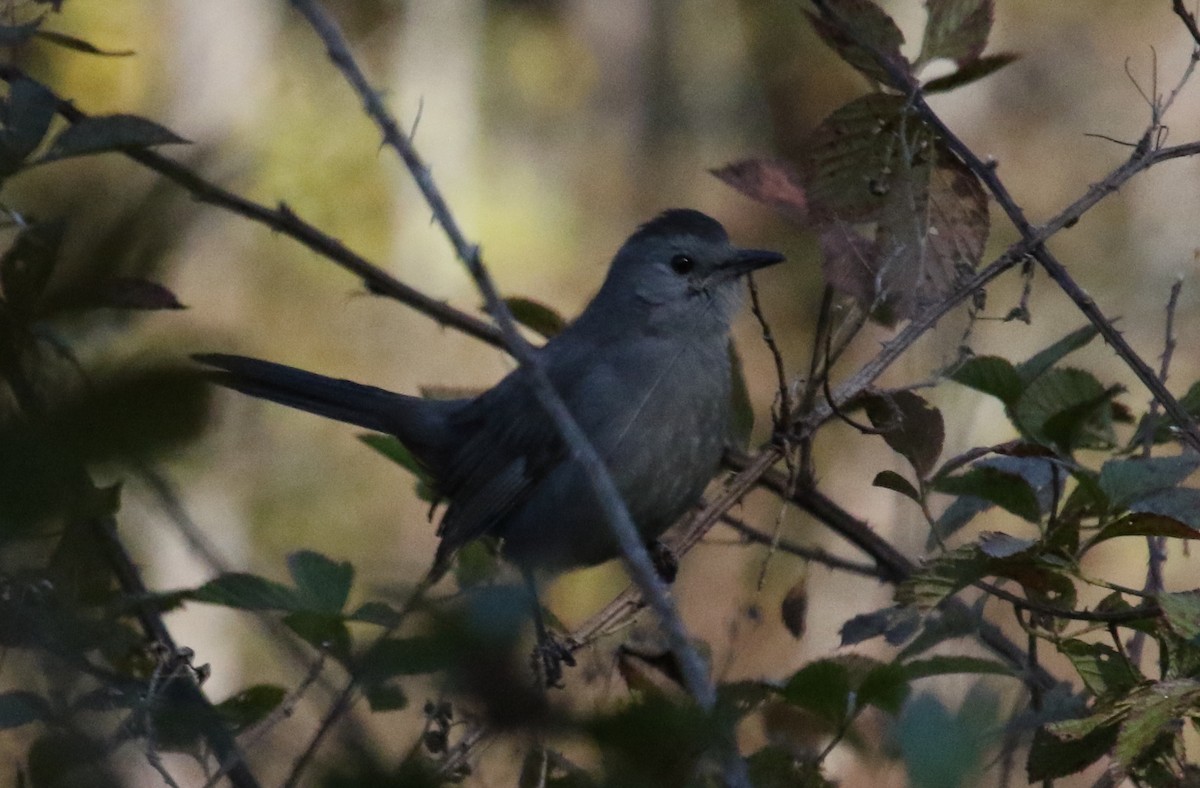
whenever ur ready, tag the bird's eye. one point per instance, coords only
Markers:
(682, 264)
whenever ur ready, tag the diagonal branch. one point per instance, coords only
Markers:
(637, 559)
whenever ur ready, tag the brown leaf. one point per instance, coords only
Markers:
(910, 425)
(794, 608)
(848, 261)
(862, 33)
(768, 181)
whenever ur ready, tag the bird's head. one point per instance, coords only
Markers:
(680, 273)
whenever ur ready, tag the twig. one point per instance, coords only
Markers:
(637, 559)
(1037, 247)
(1189, 21)
(284, 220)
(814, 554)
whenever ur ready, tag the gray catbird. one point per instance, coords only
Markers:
(645, 370)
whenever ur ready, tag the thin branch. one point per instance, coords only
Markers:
(285, 221)
(1189, 20)
(814, 554)
(901, 78)
(637, 559)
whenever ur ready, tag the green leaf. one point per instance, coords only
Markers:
(956, 30)
(1153, 712)
(250, 706)
(245, 591)
(1051, 757)
(743, 409)
(896, 624)
(1182, 611)
(910, 425)
(1030, 370)
(1105, 672)
(385, 696)
(971, 72)
(477, 563)
(1006, 490)
(27, 265)
(890, 480)
(949, 665)
(377, 613)
(991, 375)
(850, 156)
(1125, 481)
(849, 22)
(405, 657)
(536, 316)
(19, 708)
(885, 687)
(389, 446)
(323, 584)
(1067, 409)
(1178, 503)
(1145, 524)
(107, 133)
(323, 631)
(996, 544)
(939, 749)
(26, 117)
(79, 45)
(935, 581)
(823, 688)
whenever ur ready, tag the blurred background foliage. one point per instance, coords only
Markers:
(554, 127)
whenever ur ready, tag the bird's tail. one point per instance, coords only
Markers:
(342, 400)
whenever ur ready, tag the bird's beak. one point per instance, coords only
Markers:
(744, 261)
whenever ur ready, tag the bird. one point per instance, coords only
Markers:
(645, 370)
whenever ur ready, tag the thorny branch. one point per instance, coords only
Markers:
(637, 558)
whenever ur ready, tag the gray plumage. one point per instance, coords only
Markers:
(645, 370)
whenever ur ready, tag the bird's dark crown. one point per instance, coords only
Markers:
(682, 221)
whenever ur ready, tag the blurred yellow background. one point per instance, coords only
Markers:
(554, 127)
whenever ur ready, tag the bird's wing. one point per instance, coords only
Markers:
(510, 450)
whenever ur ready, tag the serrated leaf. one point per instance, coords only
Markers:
(995, 544)
(1008, 491)
(1105, 672)
(890, 480)
(1152, 713)
(1030, 369)
(250, 706)
(948, 665)
(861, 33)
(1182, 611)
(931, 231)
(1127, 480)
(322, 583)
(1177, 503)
(106, 133)
(793, 610)
(1051, 757)
(536, 316)
(245, 591)
(896, 624)
(377, 613)
(1145, 524)
(961, 511)
(991, 375)
(852, 155)
(937, 628)
(19, 708)
(1068, 409)
(823, 688)
(956, 29)
(405, 657)
(910, 425)
(926, 588)
(885, 687)
(768, 181)
(79, 45)
(970, 72)
(323, 631)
